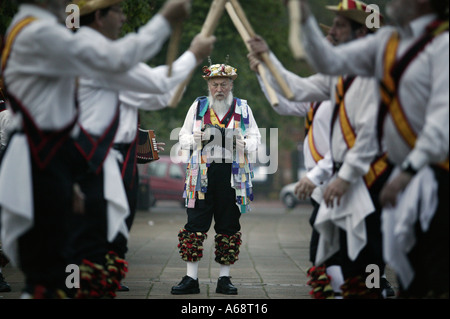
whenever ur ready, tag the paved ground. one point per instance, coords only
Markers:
(273, 260)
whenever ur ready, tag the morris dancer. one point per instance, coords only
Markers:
(349, 204)
(410, 61)
(40, 62)
(104, 103)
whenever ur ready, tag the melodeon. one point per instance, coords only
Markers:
(146, 149)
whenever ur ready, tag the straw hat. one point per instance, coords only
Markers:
(89, 6)
(219, 70)
(354, 10)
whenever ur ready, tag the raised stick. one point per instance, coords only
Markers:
(174, 43)
(264, 56)
(209, 26)
(246, 37)
(294, 30)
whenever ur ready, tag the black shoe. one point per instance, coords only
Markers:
(186, 286)
(4, 286)
(123, 288)
(224, 286)
(387, 288)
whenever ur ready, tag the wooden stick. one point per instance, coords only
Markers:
(294, 30)
(209, 26)
(246, 37)
(174, 43)
(264, 56)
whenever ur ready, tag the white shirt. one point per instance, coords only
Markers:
(423, 89)
(132, 101)
(361, 106)
(317, 172)
(46, 57)
(141, 87)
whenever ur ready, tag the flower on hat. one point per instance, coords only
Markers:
(219, 70)
(206, 71)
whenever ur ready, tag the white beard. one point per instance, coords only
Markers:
(221, 107)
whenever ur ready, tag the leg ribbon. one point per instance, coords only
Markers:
(227, 248)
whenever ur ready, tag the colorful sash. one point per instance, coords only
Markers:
(196, 184)
(309, 131)
(392, 73)
(11, 37)
(380, 164)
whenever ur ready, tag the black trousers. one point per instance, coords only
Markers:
(430, 256)
(43, 249)
(219, 203)
(88, 236)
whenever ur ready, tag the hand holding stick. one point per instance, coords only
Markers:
(246, 37)
(264, 56)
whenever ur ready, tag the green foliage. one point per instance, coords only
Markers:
(7, 10)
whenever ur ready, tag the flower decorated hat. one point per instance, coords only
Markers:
(219, 71)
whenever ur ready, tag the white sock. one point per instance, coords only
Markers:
(337, 279)
(192, 269)
(224, 271)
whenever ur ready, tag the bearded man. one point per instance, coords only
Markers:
(220, 131)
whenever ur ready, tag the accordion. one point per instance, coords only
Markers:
(146, 146)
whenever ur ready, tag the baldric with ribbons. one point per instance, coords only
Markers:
(314, 106)
(392, 73)
(379, 164)
(196, 184)
(43, 144)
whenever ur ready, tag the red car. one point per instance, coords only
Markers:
(160, 180)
